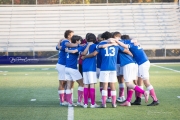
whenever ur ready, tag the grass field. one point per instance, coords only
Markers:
(30, 93)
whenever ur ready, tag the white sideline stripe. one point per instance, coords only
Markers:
(70, 113)
(165, 68)
(33, 100)
(178, 96)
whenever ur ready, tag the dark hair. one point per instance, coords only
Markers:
(125, 37)
(116, 34)
(106, 35)
(67, 32)
(87, 35)
(91, 37)
(75, 38)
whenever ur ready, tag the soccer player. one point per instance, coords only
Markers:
(108, 68)
(72, 74)
(143, 72)
(121, 98)
(60, 66)
(129, 74)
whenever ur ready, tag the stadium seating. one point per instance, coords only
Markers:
(39, 28)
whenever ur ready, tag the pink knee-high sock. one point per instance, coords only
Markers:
(140, 94)
(113, 96)
(129, 95)
(136, 94)
(138, 89)
(69, 96)
(61, 95)
(92, 95)
(85, 95)
(152, 92)
(104, 96)
(121, 92)
(80, 94)
(109, 92)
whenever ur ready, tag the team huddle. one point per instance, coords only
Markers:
(109, 58)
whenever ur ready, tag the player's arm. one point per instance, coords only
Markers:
(107, 45)
(58, 47)
(122, 44)
(90, 55)
(71, 51)
(86, 49)
(128, 52)
(71, 45)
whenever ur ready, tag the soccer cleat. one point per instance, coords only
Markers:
(95, 106)
(137, 101)
(102, 106)
(126, 104)
(80, 104)
(114, 105)
(64, 103)
(120, 99)
(146, 95)
(109, 100)
(85, 106)
(72, 105)
(154, 103)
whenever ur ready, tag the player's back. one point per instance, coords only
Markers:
(71, 59)
(138, 53)
(89, 64)
(109, 58)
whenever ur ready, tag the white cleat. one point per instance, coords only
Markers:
(72, 105)
(126, 104)
(121, 99)
(80, 104)
(95, 106)
(64, 103)
(85, 106)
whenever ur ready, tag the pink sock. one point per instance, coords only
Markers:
(138, 89)
(109, 92)
(153, 94)
(61, 95)
(104, 96)
(68, 98)
(92, 95)
(113, 93)
(80, 93)
(85, 95)
(129, 95)
(136, 94)
(121, 92)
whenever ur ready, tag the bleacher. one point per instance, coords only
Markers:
(39, 28)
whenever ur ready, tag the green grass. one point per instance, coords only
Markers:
(21, 84)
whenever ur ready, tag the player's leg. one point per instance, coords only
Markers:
(62, 83)
(109, 94)
(144, 71)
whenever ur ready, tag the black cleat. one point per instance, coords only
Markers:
(137, 101)
(154, 103)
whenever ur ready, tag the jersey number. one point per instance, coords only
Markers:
(112, 53)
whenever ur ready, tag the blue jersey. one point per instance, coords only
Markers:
(99, 59)
(124, 58)
(89, 64)
(62, 53)
(72, 58)
(138, 53)
(109, 58)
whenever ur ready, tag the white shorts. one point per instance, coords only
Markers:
(89, 77)
(108, 76)
(143, 70)
(72, 74)
(61, 71)
(136, 71)
(97, 72)
(119, 70)
(129, 72)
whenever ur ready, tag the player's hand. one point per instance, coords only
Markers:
(66, 49)
(114, 44)
(82, 57)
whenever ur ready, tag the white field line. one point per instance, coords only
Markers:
(165, 68)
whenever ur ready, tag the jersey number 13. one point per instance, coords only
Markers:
(110, 51)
